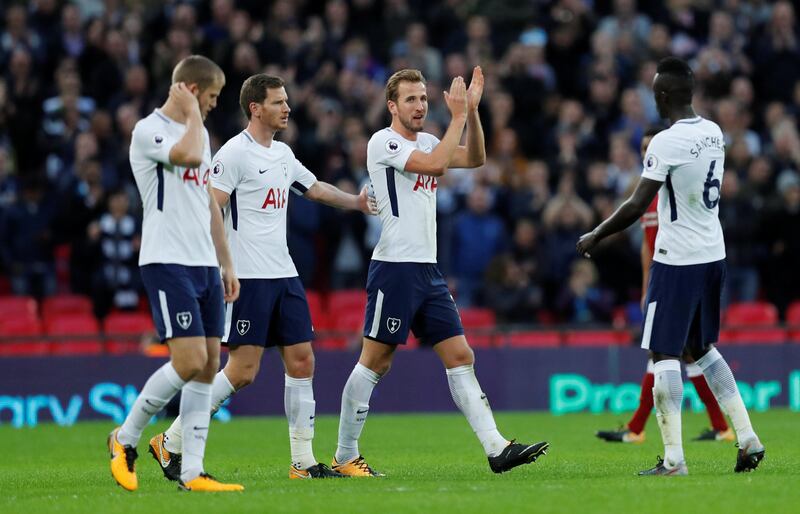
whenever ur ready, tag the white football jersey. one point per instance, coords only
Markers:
(259, 180)
(406, 200)
(177, 219)
(689, 158)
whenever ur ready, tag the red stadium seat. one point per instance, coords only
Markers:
(124, 331)
(347, 300)
(65, 304)
(751, 314)
(767, 335)
(590, 338)
(477, 318)
(330, 343)
(479, 338)
(793, 314)
(319, 316)
(18, 307)
(26, 330)
(349, 321)
(534, 339)
(82, 331)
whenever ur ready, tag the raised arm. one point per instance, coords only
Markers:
(474, 153)
(188, 151)
(436, 162)
(631, 210)
(331, 195)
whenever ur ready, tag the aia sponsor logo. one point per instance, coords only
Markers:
(276, 198)
(192, 175)
(426, 183)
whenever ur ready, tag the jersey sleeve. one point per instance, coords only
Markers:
(225, 170)
(392, 151)
(152, 143)
(302, 178)
(657, 162)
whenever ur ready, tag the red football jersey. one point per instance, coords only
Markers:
(649, 223)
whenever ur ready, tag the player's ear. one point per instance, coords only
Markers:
(255, 109)
(392, 107)
(194, 89)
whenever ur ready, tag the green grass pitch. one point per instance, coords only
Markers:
(433, 463)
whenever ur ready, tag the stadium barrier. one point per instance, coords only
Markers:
(560, 380)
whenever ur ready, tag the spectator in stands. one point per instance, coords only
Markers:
(743, 250)
(478, 236)
(581, 300)
(782, 231)
(27, 240)
(114, 239)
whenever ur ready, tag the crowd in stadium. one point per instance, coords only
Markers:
(567, 99)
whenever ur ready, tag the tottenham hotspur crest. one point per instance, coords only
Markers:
(285, 169)
(184, 319)
(393, 324)
(242, 326)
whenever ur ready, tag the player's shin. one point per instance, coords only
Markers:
(298, 400)
(720, 380)
(355, 406)
(195, 412)
(473, 404)
(156, 393)
(668, 396)
(221, 390)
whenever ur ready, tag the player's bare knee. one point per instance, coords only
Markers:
(381, 366)
(460, 357)
(300, 366)
(241, 375)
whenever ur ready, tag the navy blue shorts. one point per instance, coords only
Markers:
(186, 301)
(409, 295)
(269, 312)
(682, 307)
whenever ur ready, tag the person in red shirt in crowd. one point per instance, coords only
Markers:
(633, 431)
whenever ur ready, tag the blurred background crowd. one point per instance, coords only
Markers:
(567, 99)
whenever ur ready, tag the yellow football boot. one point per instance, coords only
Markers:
(122, 462)
(355, 467)
(207, 483)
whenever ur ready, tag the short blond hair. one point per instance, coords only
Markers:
(199, 70)
(394, 81)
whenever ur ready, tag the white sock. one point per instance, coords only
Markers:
(721, 382)
(298, 400)
(355, 406)
(221, 390)
(196, 414)
(693, 370)
(470, 399)
(156, 393)
(668, 396)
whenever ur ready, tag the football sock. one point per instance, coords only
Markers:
(720, 380)
(473, 404)
(668, 396)
(298, 400)
(639, 419)
(355, 407)
(221, 390)
(156, 393)
(695, 374)
(195, 411)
